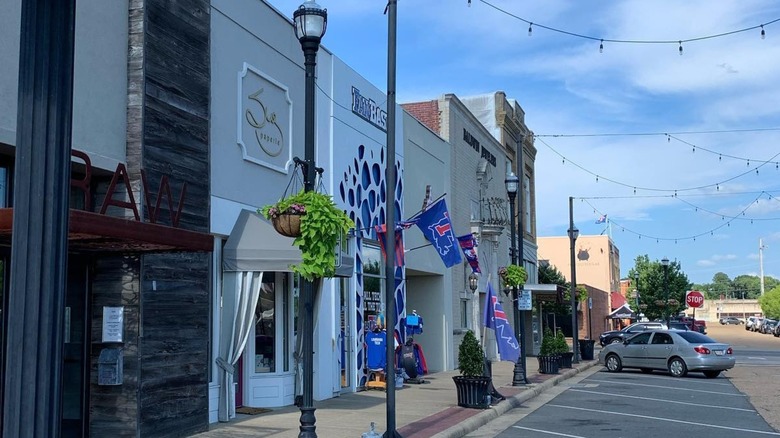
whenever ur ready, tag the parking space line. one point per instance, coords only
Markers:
(548, 432)
(665, 401)
(696, 381)
(667, 387)
(648, 417)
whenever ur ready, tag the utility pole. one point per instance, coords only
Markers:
(761, 263)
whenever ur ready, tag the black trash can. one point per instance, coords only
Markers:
(586, 349)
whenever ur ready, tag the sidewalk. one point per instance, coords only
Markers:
(422, 411)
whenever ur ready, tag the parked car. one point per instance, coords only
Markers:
(777, 331)
(700, 326)
(756, 325)
(750, 322)
(617, 336)
(675, 351)
(678, 326)
(731, 320)
(768, 326)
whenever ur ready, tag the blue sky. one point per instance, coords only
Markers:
(718, 101)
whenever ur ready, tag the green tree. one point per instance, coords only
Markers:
(651, 286)
(549, 274)
(770, 303)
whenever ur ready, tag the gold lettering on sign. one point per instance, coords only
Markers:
(270, 142)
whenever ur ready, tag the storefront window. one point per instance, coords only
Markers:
(265, 326)
(372, 285)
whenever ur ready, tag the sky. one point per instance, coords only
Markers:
(680, 152)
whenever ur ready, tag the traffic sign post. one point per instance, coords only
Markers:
(694, 299)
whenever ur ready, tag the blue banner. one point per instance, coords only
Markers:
(495, 319)
(436, 227)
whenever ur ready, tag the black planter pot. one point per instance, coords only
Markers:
(566, 358)
(548, 364)
(586, 349)
(472, 391)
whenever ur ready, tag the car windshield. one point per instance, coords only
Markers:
(696, 338)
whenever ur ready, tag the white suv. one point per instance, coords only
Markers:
(751, 322)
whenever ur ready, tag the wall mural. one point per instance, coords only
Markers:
(363, 192)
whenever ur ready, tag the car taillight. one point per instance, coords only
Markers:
(729, 351)
(701, 350)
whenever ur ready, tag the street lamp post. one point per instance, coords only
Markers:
(573, 234)
(665, 264)
(518, 377)
(310, 21)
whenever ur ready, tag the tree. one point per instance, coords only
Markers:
(770, 303)
(651, 287)
(549, 274)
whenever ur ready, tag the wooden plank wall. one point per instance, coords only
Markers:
(114, 409)
(175, 288)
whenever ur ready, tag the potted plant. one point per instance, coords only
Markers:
(562, 348)
(471, 386)
(513, 276)
(321, 224)
(548, 359)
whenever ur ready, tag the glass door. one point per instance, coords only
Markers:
(346, 340)
(75, 372)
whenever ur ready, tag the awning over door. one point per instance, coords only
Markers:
(254, 245)
(622, 312)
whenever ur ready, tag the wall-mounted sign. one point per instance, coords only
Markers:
(113, 323)
(481, 149)
(524, 301)
(368, 110)
(264, 120)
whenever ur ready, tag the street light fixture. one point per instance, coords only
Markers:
(665, 264)
(310, 20)
(518, 377)
(473, 282)
(574, 233)
(636, 288)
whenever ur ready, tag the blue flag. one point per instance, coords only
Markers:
(601, 219)
(436, 227)
(469, 246)
(495, 319)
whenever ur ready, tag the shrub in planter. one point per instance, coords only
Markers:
(562, 348)
(471, 385)
(548, 356)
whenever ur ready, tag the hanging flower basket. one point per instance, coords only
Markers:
(513, 275)
(287, 224)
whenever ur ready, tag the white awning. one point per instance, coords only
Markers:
(254, 245)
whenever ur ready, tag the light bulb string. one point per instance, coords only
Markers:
(602, 40)
(670, 239)
(656, 189)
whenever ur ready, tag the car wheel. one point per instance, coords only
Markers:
(616, 341)
(646, 370)
(614, 365)
(711, 374)
(677, 367)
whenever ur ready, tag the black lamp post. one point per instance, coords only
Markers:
(518, 378)
(573, 234)
(473, 282)
(311, 20)
(665, 264)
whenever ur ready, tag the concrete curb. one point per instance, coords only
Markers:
(470, 425)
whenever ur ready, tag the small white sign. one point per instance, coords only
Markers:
(113, 323)
(524, 300)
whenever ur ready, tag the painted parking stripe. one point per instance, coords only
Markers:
(648, 417)
(668, 387)
(665, 401)
(697, 382)
(548, 432)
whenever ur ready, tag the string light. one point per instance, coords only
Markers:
(601, 47)
(680, 48)
(763, 33)
(530, 29)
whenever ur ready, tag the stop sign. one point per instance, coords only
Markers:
(694, 298)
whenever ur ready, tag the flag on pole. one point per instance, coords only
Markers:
(436, 227)
(495, 319)
(381, 234)
(601, 219)
(469, 246)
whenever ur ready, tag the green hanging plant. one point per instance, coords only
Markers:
(471, 357)
(513, 275)
(322, 224)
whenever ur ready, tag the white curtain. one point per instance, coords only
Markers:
(240, 291)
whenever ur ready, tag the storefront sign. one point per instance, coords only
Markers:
(368, 110)
(113, 323)
(264, 120)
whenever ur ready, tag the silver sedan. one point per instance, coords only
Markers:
(675, 351)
